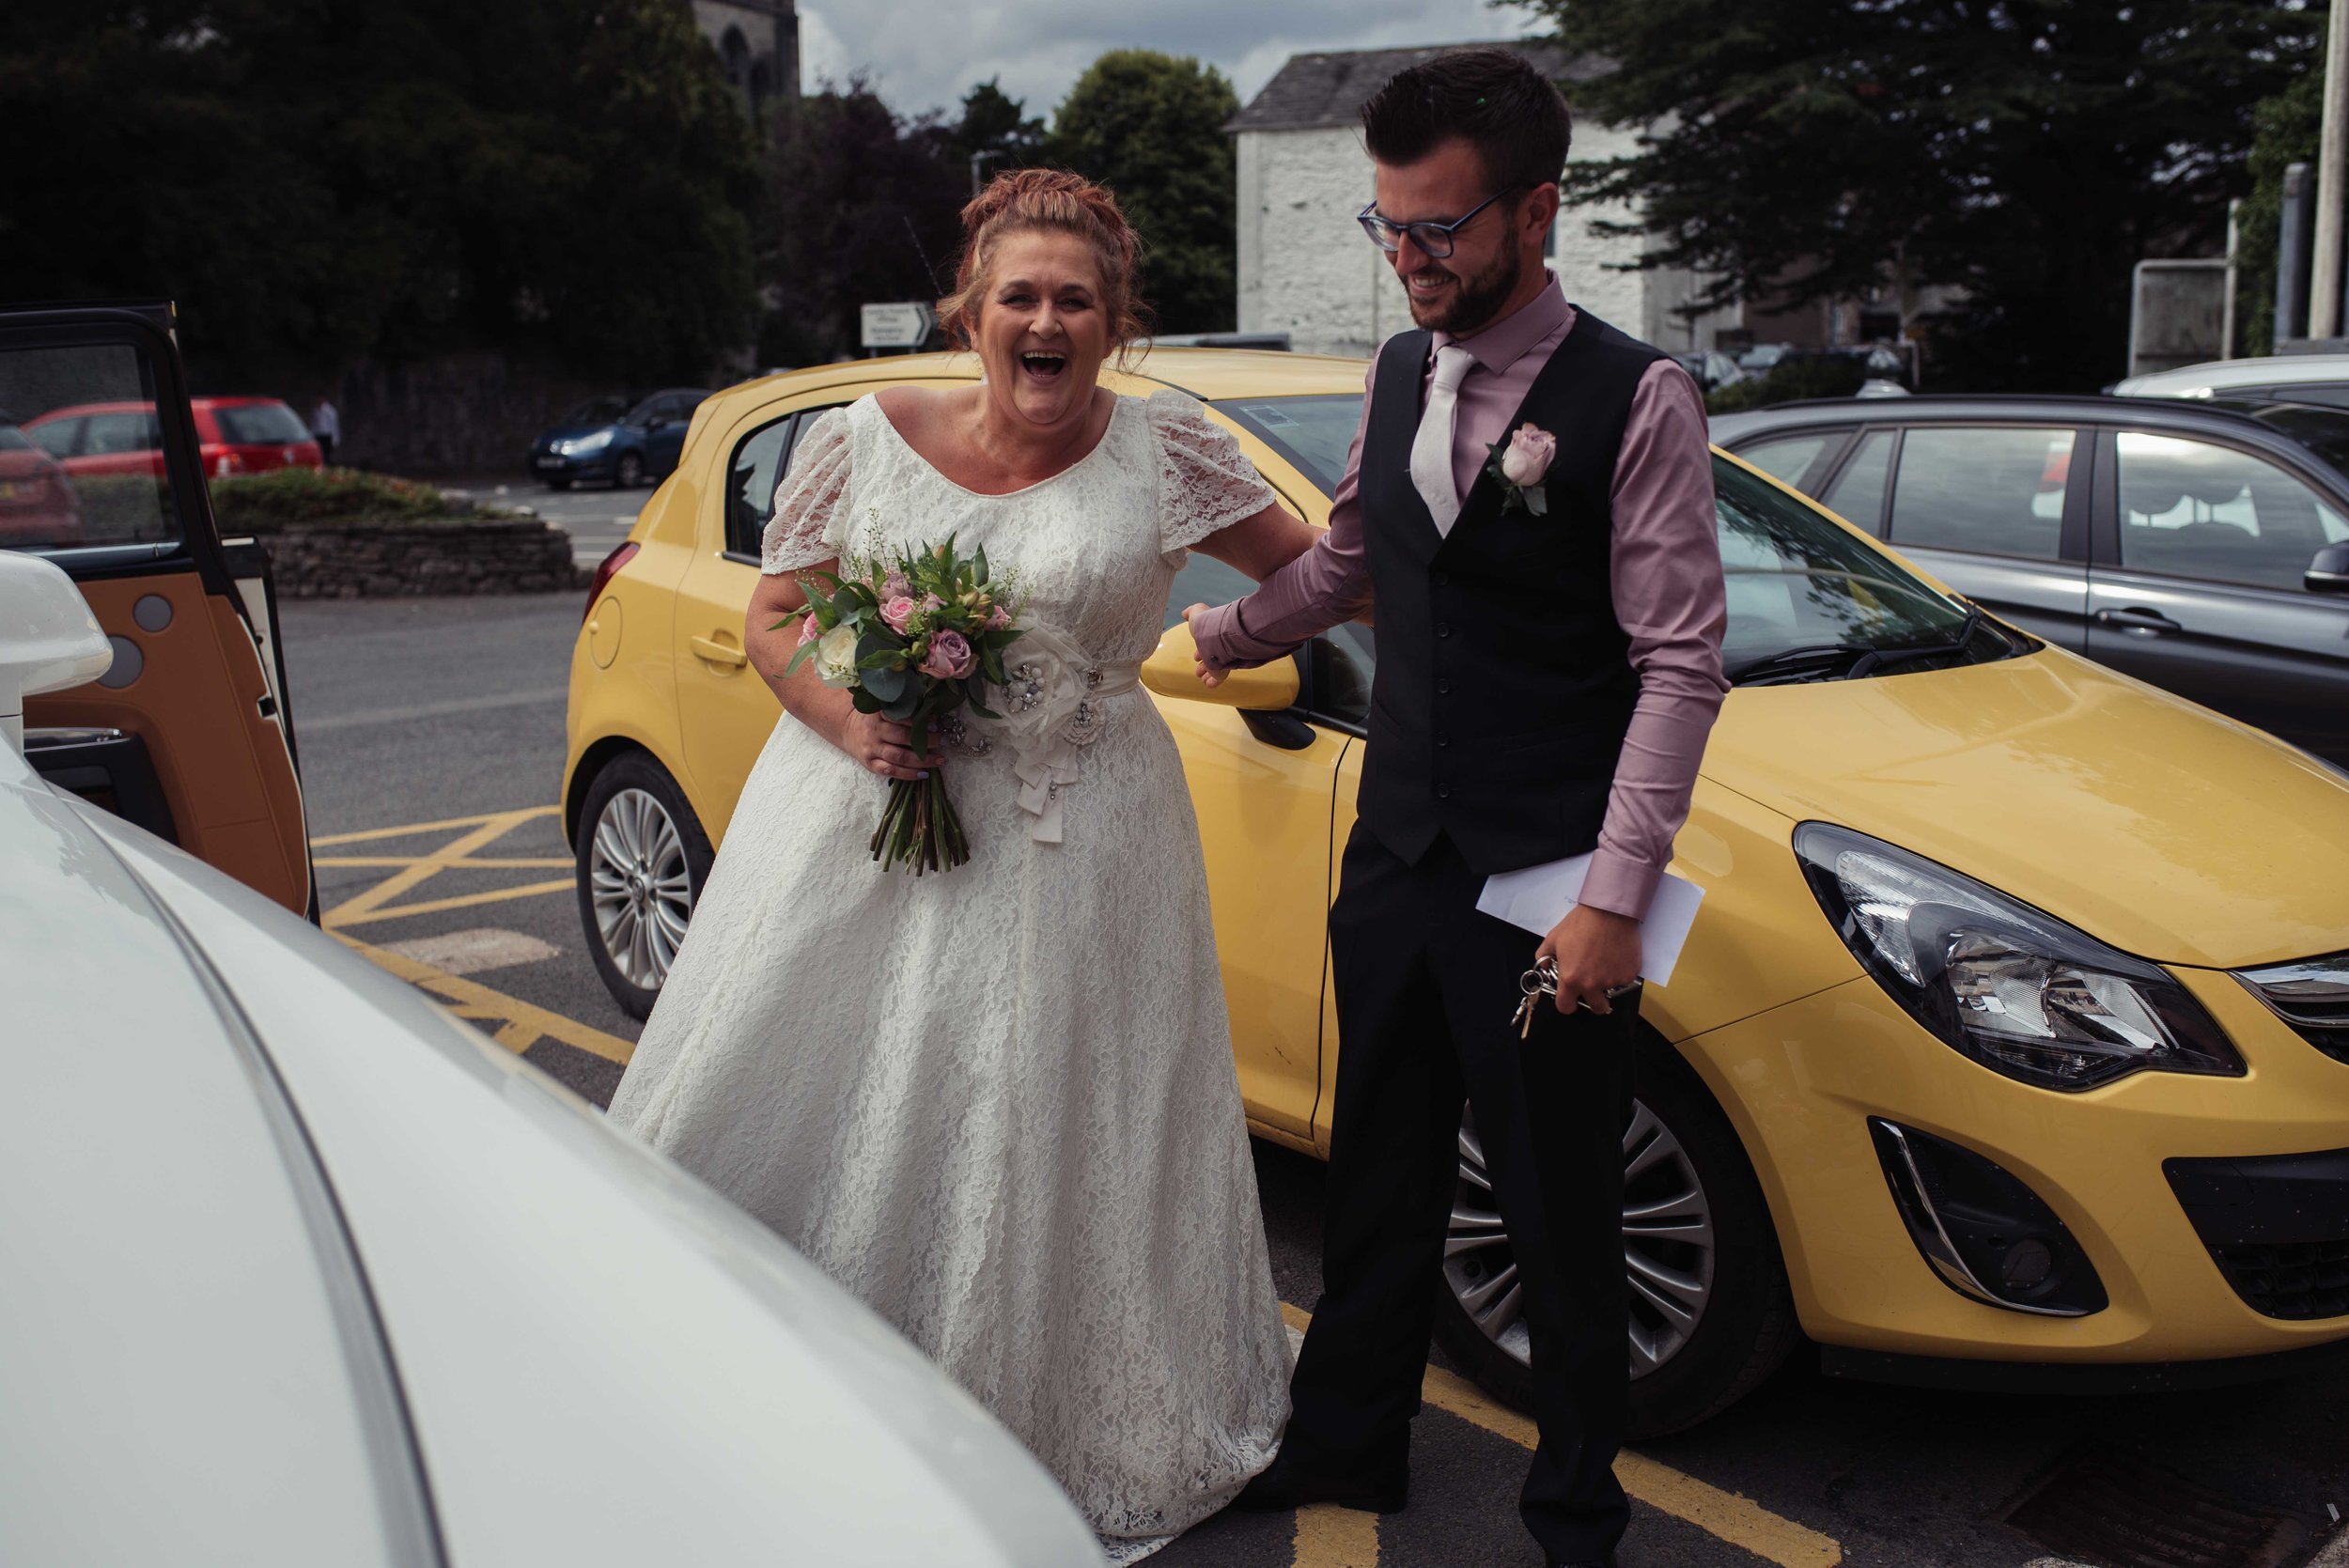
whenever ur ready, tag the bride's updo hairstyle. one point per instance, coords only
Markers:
(1025, 201)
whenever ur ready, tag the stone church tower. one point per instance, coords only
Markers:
(758, 43)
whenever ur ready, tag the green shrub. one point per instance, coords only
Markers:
(293, 497)
(123, 509)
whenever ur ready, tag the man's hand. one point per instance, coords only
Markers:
(1595, 950)
(1208, 673)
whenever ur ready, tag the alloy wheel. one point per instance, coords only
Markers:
(642, 892)
(1668, 1245)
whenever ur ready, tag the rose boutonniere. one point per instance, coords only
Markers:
(1518, 466)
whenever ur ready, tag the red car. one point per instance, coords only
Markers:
(241, 435)
(38, 505)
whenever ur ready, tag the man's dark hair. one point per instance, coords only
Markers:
(1494, 98)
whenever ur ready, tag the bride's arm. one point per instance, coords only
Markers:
(1263, 544)
(878, 745)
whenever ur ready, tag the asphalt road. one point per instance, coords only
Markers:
(431, 740)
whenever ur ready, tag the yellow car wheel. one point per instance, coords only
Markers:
(1710, 1312)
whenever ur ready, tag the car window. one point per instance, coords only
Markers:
(56, 437)
(1315, 433)
(1992, 492)
(260, 425)
(14, 440)
(2192, 509)
(1858, 494)
(597, 411)
(1787, 458)
(761, 460)
(110, 434)
(2329, 394)
(56, 504)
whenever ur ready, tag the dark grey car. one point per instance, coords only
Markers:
(2201, 546)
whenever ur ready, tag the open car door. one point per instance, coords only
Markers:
(188, 734)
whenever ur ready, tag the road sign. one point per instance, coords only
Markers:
(897, 326)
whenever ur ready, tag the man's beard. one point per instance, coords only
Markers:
(1473, 302)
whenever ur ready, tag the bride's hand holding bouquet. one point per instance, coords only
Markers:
(910, 641)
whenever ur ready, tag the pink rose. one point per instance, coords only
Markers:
(950, 657)
(1529, 456)
(809, 630)
(897, 610)
(895, 586)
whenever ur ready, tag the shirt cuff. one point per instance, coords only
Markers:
(1223, 640)
(1619, 884)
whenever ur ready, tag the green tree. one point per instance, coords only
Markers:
(995, 130)
(2022, 153)
(866, 210)
(1150, 127)
(319, 180)
(2288, 126)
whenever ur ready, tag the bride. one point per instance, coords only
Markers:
(998, 1104)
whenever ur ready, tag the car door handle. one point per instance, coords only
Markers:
(2151, 622)
(720, 653)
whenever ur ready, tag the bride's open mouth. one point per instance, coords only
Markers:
(1043, 365)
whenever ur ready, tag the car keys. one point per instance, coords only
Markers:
(1537, 983)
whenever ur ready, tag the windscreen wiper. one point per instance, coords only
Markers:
(1879, 657)
(1820, 658)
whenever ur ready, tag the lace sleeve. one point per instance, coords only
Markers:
(1204, 483)
(807, 525)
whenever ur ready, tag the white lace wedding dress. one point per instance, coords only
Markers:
(998, 1104)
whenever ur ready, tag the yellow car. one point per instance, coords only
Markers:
(2012, 1043)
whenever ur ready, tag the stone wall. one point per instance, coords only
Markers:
(1306, 269)
(472, 555)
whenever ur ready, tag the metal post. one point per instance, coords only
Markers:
(978, 161)
(2234, 238)
(2332, 181)
(2292, 257)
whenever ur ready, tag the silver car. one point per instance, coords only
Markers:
(2201, 546)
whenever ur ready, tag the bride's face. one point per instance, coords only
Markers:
(1043, 326)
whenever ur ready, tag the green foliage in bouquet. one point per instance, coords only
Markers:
(912, 639)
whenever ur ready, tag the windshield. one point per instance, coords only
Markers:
(597, 411)
(1805, 598)
(12, 439)
(2322, 432)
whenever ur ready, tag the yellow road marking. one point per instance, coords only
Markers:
(525, 1022)
(472, 862)
(1329, 1536)
(1731, 1516)
(429, 865)
(434, 906)
(325, 840)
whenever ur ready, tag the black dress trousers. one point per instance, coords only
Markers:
(1425, 986)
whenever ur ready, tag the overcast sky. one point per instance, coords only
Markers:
(925, 53)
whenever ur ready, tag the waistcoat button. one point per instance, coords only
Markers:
(1443, 687)
(1442, 580)
(1443, 628)
(1443, 792)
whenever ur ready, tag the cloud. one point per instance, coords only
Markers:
(925, 53)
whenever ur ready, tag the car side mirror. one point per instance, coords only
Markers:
(49, 639)
(2329, 572)
(1172, 672)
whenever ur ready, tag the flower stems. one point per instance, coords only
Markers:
(919, 827)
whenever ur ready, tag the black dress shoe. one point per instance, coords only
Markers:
(1284, 1486)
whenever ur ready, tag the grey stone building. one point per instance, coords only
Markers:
(1304, 266)
(758, 43)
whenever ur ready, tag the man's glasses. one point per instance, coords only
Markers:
(1433, 239)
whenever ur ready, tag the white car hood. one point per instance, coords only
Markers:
(603, 1361)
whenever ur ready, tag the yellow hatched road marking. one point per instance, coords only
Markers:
(1731, 1516)
(325, 840)
(434, 906)
(523, 1023)
(472, 862)
(427, 867)
(1332, 1537)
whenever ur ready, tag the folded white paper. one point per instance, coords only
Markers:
(1538, 898)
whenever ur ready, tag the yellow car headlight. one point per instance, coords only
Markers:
(2009, 985)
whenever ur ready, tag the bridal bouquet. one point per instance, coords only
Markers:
(911, 641)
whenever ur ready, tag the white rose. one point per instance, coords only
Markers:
(836, 656)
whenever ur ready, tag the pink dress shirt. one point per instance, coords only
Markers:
(1665, 573)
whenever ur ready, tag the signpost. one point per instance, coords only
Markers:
(906, 325)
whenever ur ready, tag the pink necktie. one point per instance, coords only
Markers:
(1431, 449)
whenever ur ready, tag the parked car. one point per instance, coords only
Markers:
(625, 448)
(302, 1270)
(237, 435)
(2012, 1031)
(1710, 368)
(188, 732)
(2319, 378)
(37, 502)
(2197, 545)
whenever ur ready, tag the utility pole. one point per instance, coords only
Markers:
(2332, 180)
(978, 162)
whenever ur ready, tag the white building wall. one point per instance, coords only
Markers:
(1305, 267)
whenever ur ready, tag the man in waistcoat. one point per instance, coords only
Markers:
(1548, 668)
